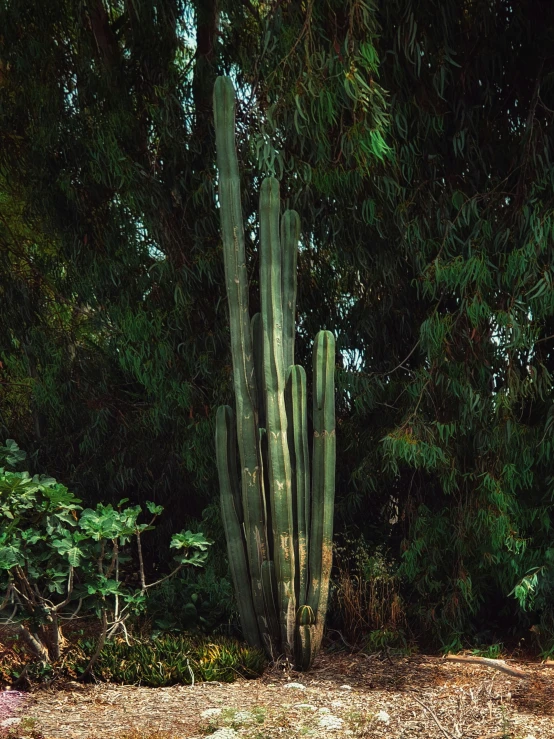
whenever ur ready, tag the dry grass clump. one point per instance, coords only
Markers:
(366, 596)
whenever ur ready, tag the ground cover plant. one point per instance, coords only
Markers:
(166, 659)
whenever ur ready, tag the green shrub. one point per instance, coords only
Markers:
(194, 601)
(535, 592)
(57, 560)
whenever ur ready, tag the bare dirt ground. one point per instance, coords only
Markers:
(344, 696)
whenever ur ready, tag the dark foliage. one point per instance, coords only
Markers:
(415, 139)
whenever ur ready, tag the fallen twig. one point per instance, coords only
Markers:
(446, 733)
(498, 664)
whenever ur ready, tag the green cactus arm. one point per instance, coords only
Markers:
(236, 282)
(305, 616)
(306, 640)
(323, 478)
(258, 355)
(226, 451)
(305, 637)
(290, 235)
(269, 581)
(297, 417)
(268, 566)
(279, 469)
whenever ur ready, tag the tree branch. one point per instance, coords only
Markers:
(99, 645)
(32, 643)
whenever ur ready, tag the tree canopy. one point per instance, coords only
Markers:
(415, 140)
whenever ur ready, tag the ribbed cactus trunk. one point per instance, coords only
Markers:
(279, 526)
(236, 282)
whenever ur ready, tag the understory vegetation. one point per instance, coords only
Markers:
(415, 141)
(140, 660)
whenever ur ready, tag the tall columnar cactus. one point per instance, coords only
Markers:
(279, 528)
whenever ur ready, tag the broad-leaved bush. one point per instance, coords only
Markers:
(58, 560)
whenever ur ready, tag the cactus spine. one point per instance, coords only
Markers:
(278, 529)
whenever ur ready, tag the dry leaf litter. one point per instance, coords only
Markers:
(343, 697)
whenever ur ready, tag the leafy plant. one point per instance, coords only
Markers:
(11, 455)
(193, 600)
(384, 639)
(492, 651)
(25, 729)
(154, 660)
(58, 560)
(537, 585)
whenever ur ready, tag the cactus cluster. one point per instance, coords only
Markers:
(279, 519)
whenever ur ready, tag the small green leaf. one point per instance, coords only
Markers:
(153, 508)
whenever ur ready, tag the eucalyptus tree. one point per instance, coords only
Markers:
(107, 151)
(471, 208)
(107, 145)
(415, 140)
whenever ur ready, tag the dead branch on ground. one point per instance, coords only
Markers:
(497, 664)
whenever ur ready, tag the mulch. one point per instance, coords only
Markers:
(410, 697)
